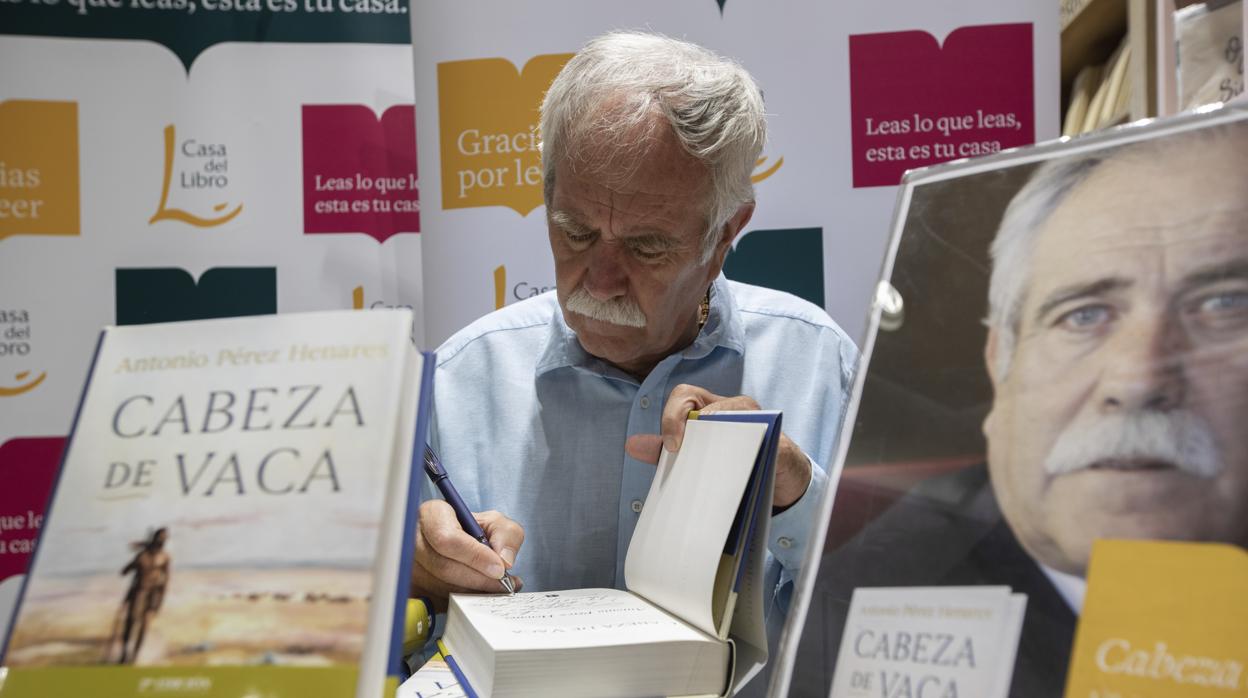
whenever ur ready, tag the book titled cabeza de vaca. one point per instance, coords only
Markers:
(691, 620)
(231, 514)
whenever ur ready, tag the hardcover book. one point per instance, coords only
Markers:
(232, 514)
(1162, 618)
(691, 619)
(929, 641)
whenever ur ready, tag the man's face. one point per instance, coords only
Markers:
(1124, 412)
(627, 249)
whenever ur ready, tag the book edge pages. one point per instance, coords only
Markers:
(374, 658)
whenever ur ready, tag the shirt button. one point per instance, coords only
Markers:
(645, 402)
(785, 542)
(636, 506)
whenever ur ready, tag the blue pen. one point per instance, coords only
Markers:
(433, 468)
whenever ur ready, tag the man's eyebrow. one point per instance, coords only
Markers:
(565, 221)
(652, 240)
(1074, 291)
(1231, 270)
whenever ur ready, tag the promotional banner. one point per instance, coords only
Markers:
(856, 93)
(189, 159)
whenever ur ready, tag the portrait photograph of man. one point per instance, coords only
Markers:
(1068, 363)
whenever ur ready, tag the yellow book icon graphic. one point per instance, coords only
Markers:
(38, 168)
(488, 114)
(1162, 619)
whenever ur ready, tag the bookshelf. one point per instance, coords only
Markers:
(1092, 33)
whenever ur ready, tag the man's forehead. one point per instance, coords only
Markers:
(571, 220)
(1139, 200)
(674, 206)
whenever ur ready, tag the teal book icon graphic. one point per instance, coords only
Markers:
(785, 259)
(172, 294)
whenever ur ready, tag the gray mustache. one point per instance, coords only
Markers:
(1178, 437)
(616, 311)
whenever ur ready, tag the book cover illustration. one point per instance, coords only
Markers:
(220, 500)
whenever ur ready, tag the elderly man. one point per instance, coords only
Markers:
(1118, 354)
(648, 147)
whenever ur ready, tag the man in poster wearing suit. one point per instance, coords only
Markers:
(1118, 354)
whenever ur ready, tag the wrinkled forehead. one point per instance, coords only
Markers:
(644, 161)
(1166, 198)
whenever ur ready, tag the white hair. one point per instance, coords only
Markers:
(1016, 240)
(1047, 188)
(611, 92)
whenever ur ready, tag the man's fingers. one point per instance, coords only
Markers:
(437, 578)
(443, 575)
(680, 402)
(444, 537)
(644, 447)
(506, 536)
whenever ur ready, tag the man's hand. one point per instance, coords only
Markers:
(792, 466)
(449, 560)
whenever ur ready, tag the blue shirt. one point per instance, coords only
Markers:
(531, 425)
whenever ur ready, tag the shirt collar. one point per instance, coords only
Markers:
(1072, 589)
(722, 329)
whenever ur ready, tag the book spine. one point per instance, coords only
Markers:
(457, 671)
(421, 436)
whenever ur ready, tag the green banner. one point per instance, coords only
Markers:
(187, 27)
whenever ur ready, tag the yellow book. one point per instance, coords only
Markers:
(1162, 619)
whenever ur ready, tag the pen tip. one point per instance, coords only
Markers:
(508, 585)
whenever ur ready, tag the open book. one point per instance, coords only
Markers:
(232, 515)
(691, 621)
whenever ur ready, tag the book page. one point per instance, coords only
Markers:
(574, 618)
(680, 536)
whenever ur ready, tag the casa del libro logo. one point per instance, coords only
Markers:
(16, 375)
(516, 290)
(195, 169)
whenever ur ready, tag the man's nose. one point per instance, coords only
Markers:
(605, 276)
(1146, 368)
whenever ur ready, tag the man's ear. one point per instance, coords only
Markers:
(990, 356)
(990, 360)
(729, 232)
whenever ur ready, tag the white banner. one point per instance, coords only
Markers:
(841, 81)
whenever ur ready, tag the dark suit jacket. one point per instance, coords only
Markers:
(947, 531)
